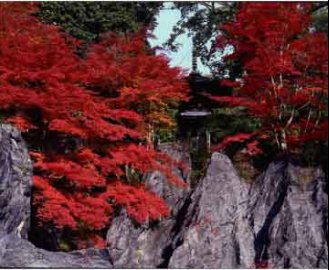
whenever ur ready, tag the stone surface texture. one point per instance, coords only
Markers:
(15, 200)
(134, 246)
(216, 234)
(19, 253)
(288, 211)
(15, 182)
(278, 221)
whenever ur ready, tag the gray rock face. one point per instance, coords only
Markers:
(19, 253)
(158, 184)
(136, 247)
(288, 212)
(216, 233)
(15, 201)
(133, 246)
(279, 221)
(15, 182)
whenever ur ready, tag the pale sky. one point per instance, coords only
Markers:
(166, 19)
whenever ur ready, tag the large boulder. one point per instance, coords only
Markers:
(134, 246)
(288, 212)
(15, 182)
(157, 183)
(279, 221)
(15, 200)
(19, 253)
(215, 231)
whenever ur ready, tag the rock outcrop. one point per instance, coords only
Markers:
(215, 232)
(288, 211)
(208, 227)
(278, 221)
(15, 200)
(18, 253)
(133, 246)
(15, 182)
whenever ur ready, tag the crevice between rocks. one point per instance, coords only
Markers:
(181, 220)
(262, 239)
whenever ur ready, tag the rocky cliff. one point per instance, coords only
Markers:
(15, 208)
(279, 221)
(288, 213)
(15, 183)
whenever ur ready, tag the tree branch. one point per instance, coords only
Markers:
(318, 7)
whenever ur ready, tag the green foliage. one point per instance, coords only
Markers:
(165, 135)
(88, 20)
(320, 20)
(199, 157)
(229, 121)
(200, 20)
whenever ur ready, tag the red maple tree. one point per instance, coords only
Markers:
(141, 78)
(83, 120)
(284, 84)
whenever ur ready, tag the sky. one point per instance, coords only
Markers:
(166, 19)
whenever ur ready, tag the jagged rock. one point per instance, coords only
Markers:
(215, 231)
(288, 212)
(19, 253)
(137, 247)
(158, 184)
(15, 182)
(15, 199)
(142, 246)
(280, 221)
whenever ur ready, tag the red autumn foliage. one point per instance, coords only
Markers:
(240, 137)
(252, 141)
(141, 77)
(139, 203)
(228, 83)
(85, 120)
(285, 65)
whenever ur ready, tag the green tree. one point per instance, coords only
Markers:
(320, 18)
(201, 20)
(88, 20)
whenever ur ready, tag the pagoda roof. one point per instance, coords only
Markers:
(195, 113)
